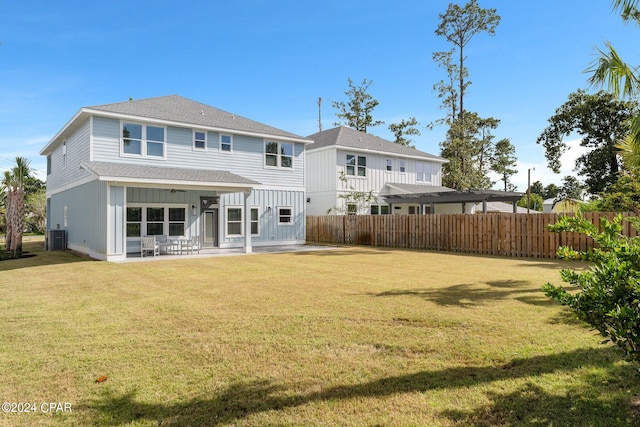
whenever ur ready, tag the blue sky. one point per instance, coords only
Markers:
(271, 60)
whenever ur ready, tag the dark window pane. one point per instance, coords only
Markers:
(234, 228)
(155, 229)
(134, 214)
(254, 214)
(133, 230)
(176, 229)
(286, 162)
(177, 214)
(271, 148)
(155, 214)
(234, 214)
(271, 160)
(362, 161)
(351, 170)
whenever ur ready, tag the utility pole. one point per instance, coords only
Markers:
(529, 188)
(319, 114)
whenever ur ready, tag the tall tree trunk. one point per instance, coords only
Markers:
(461, 84)
(17, 223)
(9, 215)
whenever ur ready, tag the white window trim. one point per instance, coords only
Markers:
(143, 142)
(226, 221)
(278, 215)
(257, 221)
(220, 143)
(206, 142)
(166, 221)
(388, 165)
(278, 155)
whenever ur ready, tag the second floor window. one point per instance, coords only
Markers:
(423, 172)
(356, 165)
(143, 140)
(403, 167)
(199, 140)
(278, 154)
(225, 143)
(389, 165)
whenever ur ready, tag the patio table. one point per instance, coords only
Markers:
(174, 245)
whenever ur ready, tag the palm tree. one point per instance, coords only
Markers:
(13, 187)
(622, 80)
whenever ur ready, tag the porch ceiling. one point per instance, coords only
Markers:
(156, 176)
(452, 196)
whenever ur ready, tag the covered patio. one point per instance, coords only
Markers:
(431, 199)
(151, 201)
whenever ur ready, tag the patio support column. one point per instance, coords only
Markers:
(247, 222)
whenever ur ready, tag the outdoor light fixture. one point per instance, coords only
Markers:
(194, 210)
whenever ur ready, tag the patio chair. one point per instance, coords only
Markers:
(149, 245)
(192, 245)
(163, 244)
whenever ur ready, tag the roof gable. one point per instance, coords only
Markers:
(345, 137)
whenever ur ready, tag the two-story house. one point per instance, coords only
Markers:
(343, 161)
(174, 167)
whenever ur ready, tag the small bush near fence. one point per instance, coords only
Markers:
(505, 234)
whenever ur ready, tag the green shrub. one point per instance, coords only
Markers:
(608, 292)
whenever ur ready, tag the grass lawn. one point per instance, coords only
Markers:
(351, 337)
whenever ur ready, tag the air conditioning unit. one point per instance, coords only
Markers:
(56, 240)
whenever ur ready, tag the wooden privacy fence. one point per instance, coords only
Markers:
(506, 234)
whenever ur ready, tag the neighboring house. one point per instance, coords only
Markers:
(368, 164)
(561, 205)
(501, 207)
(173, 166)
(566, 205)
(343, 162)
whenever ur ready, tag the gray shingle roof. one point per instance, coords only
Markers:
(175, 108)
(350, 138)
(126, 171)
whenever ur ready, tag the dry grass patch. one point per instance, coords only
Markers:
(355, 336)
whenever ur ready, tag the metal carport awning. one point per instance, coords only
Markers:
(454, 196)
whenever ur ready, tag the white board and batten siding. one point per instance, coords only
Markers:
(324, 167)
